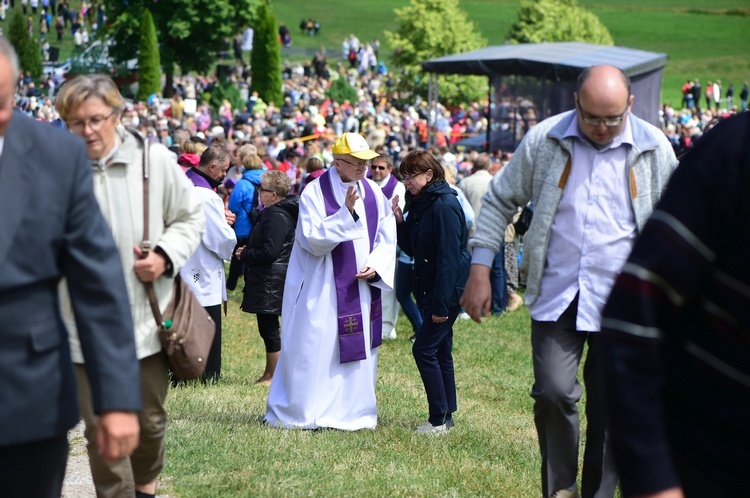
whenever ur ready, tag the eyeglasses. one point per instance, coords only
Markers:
(611, 121)
(266, 190)
(362, 164)
(94, 123)
(411, 177)
(379, 168)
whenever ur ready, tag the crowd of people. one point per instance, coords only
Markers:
(683, 126)
(331, 213)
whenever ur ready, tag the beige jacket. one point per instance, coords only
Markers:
(176, 225)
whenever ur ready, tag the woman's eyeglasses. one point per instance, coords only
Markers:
(411, 177)
(94, 123)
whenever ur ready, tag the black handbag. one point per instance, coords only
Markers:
(524, 220)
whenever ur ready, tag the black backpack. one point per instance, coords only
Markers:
(255, 210)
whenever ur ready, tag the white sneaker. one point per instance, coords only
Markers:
(566, 493)
(428, 428)
(390, 335)
(464, 315)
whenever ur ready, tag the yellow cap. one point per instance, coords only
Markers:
(355, 145)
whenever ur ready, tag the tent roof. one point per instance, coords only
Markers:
(560, 61)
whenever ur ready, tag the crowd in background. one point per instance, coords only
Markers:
(307, 121)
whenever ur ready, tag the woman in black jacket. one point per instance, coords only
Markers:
(434, 234)
(266, 257)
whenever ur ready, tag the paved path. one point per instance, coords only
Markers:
(78, 482)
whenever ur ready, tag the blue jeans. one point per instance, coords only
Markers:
(433, 353)
(499, 282)
(403, 294)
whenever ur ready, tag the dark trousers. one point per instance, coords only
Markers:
(499, 282)
(557, 352)
(433, 353)
(236, 267)
(35, 469)
(213, 364)
(403, 294)
(268, 326)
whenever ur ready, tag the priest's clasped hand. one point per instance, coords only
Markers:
(366, 273)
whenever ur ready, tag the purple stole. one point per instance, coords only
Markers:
(389, 187)
(194, 177)
(348, 306)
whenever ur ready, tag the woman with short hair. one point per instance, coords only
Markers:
(91, 107)
(266, 257)
(434, 234)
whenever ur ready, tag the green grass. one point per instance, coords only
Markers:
(707, 45)
(703, 46)
(217, 445)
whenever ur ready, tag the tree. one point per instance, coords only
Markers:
(217, 93)
(429, 29)
(28, 49)
(557, 20)
(341, 91)
(190, 32)
(149, 66)
(265, 59)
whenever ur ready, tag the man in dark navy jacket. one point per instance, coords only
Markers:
(52, 228)
(676, 328)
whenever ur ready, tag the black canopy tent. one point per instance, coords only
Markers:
(529, 82)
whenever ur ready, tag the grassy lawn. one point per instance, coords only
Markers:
(218, 446)
(702, 40)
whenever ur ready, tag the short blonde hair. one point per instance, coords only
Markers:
(311, 163)
(246, 150)
(81, 88)
(278, 181)
(252, 161)
(193, 148)
(450, 173)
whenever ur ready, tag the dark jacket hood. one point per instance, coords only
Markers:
(290, 204)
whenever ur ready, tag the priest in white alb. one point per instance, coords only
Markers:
(331, 322)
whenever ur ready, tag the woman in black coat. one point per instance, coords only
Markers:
(434, 234)
(266, 257)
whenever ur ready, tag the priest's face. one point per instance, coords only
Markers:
(351, 169)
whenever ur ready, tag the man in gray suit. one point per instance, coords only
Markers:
(52, 227)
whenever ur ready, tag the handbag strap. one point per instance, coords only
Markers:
(146, 242)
